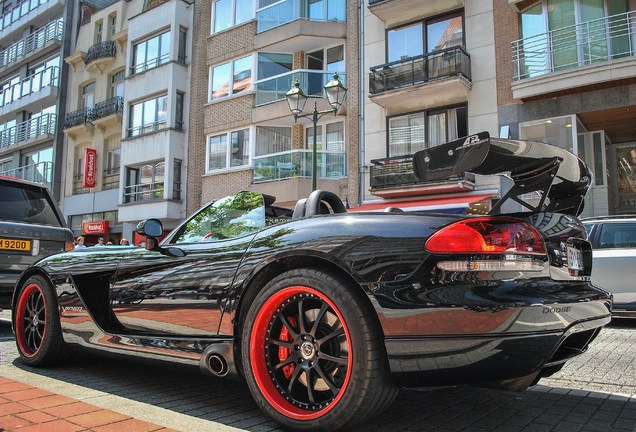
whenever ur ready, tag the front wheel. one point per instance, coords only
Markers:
(313, 353)
(38, 333)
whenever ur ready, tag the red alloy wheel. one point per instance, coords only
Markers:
(309, 376)
(30, 320)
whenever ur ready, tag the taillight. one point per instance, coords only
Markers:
(486, 235)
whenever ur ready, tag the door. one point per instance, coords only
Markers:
(591, 147)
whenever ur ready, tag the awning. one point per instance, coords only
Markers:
(447, 204)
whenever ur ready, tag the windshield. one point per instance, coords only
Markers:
(27, 204)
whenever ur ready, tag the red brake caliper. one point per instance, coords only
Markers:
(283, 353)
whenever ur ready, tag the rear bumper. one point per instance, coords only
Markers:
(530, 339)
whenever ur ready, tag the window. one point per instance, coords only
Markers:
(148, 116)
(228, 13)
(88, 95)
(178, 121)
(40, 162)
(99, 31)
(145, 183)
(435, 34)
(272, 64)
(231, 78)
(324, 60)
(334, 133)
(181, 57)
(112, 162)
(117, 84)
(112, 23)
(44, 73)
(5, 165)
(228, 150)
(270, 139)
(151, 53)
(413, 132)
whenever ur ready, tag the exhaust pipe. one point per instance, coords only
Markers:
(218, 360)
(217, 365)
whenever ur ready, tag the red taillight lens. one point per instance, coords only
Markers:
(487, 236)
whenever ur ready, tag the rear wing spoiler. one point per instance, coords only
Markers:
(560, 177)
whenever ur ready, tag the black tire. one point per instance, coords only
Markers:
(327, 371)
(37, 324)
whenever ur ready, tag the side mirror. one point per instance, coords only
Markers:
(149, 228)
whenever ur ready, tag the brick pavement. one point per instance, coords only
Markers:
(26, 408)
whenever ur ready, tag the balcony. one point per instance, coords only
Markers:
(593, 52)
(286, 11)
(51, 33)
(298, 163)
(26, 11)
(108, 113)
(40, 88)
(394, 177)
(41, 173)
(444, 76)
(36, 129)
(99, 54)
(300, 25)
(110, 179)
(312, 83)
(399, 11)
(78, 118)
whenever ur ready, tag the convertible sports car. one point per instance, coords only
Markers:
(326, 313)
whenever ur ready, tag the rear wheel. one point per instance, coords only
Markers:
(37, 323)
(313, 353)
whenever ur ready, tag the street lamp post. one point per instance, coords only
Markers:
(336, 93)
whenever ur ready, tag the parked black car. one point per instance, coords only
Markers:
(31, 227)
(326, 313)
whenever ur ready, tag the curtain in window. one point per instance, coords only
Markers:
(271, 140)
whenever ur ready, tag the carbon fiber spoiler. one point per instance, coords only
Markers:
(561, 177)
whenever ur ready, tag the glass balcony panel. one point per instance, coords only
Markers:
(299, 163)
(283, 12)
(312, 83)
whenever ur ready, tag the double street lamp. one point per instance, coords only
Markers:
(336, 93)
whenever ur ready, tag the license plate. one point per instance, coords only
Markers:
(575, 258)
(15, 245)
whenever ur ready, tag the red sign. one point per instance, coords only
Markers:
(95, 227)
(90, 167)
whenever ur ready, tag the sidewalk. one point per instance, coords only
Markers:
(29, 409)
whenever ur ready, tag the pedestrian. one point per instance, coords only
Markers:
(79, 243)
(109, 243)
(124, 242)
(100, 242)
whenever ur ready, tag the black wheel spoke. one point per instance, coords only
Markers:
(288, 360)
(292, 380)
(334, 389)
(284, 344)
(311, 382)
(338, 332)
(333, 359)
(292, 332)
(301, 316)
(319, 318)
(39, 331)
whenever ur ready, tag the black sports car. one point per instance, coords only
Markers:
(326, 313)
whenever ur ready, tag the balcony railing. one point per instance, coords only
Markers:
(575, 46)
(149, 64)
(36, 82)
(286, 11)
(40, 172)
(146, 128)
(78, 185)
(30, 129)
(143, 192)
(311, 82)
(108, 107)
(36, 40)
(106, 49)
(418, 70)
(22, 9)
(77, 118)
(110, 179)
(298, 163)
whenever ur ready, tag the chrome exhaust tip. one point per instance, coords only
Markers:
(217, 359)
(217, 365)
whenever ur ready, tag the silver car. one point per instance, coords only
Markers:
(613, 241)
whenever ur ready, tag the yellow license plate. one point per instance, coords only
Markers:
(15, 245)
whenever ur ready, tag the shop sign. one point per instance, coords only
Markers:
(95, 227)
(90, 165)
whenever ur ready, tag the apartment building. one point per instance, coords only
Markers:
(429, 76)
(566, 75)
(34, 38)
(127, 140)
(247, 55)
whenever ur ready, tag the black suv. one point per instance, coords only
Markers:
(31, 227)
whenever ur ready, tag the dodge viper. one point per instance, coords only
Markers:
(326, 313)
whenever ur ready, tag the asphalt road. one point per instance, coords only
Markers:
(594, 392)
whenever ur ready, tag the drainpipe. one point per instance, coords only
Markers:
(361, 100)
